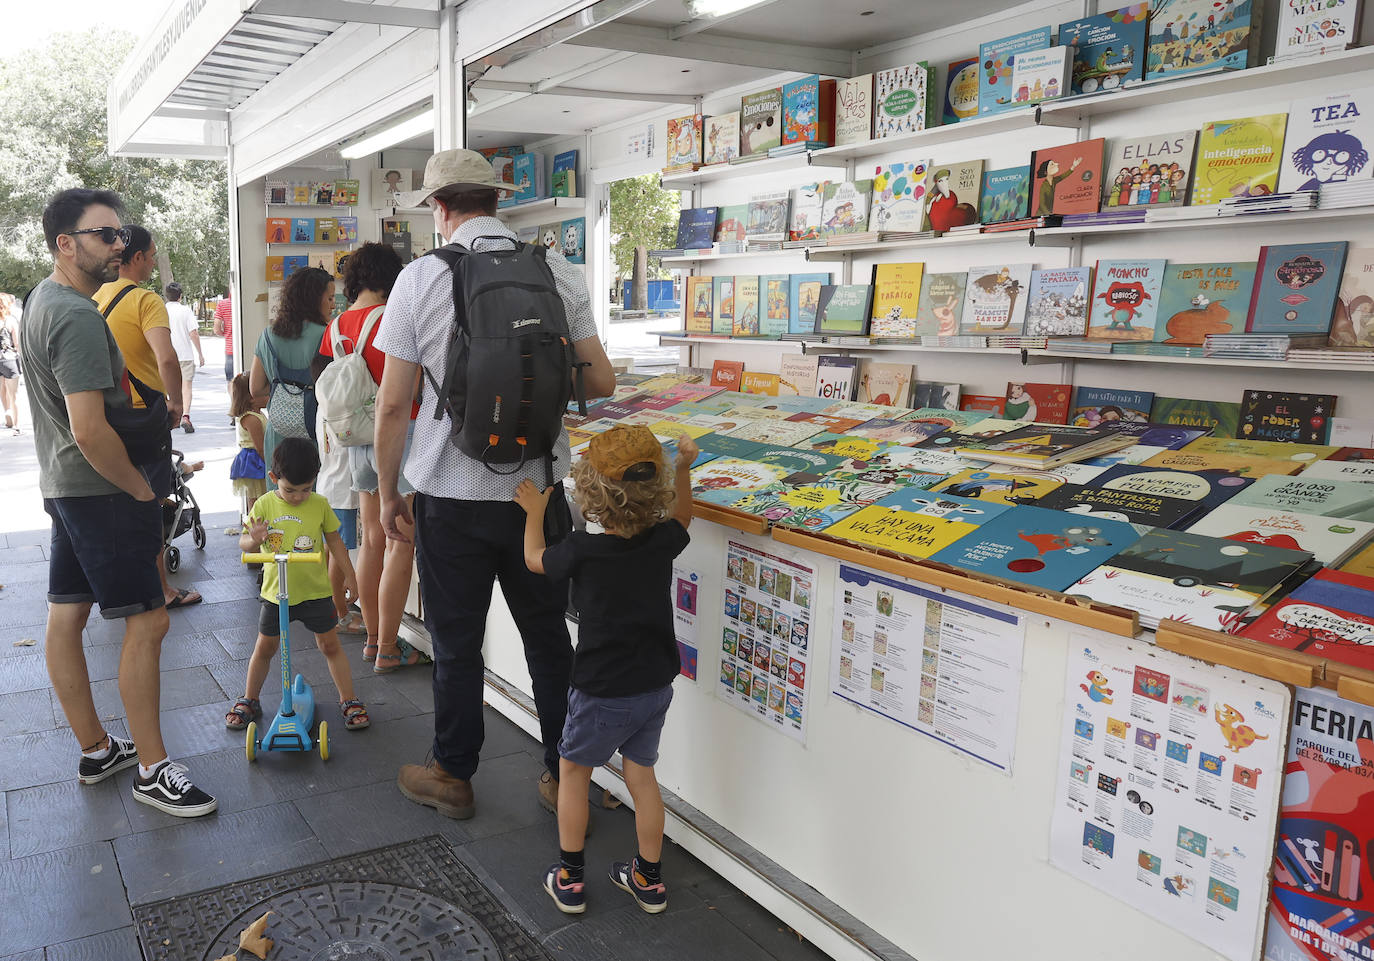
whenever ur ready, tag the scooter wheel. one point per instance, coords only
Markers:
(324, 741)
(250, 741)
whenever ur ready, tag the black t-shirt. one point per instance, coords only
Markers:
(623, 591)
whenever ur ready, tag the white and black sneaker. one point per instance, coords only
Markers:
(122, 754)
(171, 791)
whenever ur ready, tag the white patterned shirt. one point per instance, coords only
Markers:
(418, 327)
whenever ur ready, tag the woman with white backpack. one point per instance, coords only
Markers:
(346, 389)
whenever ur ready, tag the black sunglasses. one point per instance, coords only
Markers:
(108, 235)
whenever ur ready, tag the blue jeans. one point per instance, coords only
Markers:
(461, 549)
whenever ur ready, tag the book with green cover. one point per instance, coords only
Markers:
(1222, 417)
(844, 309)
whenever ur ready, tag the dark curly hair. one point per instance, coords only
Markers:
(300, 302)
(371, 267)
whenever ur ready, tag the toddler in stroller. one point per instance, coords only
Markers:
(180, 512)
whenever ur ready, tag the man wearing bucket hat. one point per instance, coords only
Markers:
(468, 531)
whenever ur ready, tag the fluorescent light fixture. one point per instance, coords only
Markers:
(719, 8)
(389, 136)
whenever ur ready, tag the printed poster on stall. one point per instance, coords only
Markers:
(943, 664)
(1321, 905)
(765, 638)
(1168, 787)
(685, 584)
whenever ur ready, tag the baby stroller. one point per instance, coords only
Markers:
(180, 513)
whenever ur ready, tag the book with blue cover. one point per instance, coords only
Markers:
(525, 173)
(1109, 48)
(575, 240)
(1296, 286)
(696, 228)
(997, 57)
(1005, 193)
(1199, 36)
(567, 160)
(302, 230)
(1043, 548)
(804, 297)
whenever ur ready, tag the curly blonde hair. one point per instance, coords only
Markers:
(625, 508)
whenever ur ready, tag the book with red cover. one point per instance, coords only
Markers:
(1067, 179)
(1330, 615)
(727, 374)
(984, 402)
(1041, 403)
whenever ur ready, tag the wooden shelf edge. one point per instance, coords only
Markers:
(1287, 667)
(1114, 620)
(744, 523)
(1351, 683)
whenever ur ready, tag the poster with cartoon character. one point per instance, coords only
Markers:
(764, 655)
(1167, 789)
(942, 664)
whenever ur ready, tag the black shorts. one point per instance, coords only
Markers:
(104, 550)
(318, 616)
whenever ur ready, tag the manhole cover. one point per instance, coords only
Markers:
(362, 921)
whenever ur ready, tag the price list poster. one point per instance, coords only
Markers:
(942, 664)
(1168, 788)
(766, 637)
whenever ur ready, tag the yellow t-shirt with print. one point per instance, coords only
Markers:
(295, 527)
(138, 311)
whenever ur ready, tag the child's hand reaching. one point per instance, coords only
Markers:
(531, 499)
(687, 451)
(257, 532)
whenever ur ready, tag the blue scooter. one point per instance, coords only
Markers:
(290, 729)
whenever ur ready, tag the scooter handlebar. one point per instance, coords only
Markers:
(292, 557)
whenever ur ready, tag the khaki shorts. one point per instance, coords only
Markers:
(188, 371)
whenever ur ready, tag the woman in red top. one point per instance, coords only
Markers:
(384, 566)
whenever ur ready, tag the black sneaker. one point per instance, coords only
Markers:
(171, 791)
(122, 754)
(652, 898)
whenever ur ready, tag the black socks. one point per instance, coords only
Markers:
(574, 863)
(651, 871)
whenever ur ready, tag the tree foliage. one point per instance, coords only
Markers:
(643, 214)
(52, 112)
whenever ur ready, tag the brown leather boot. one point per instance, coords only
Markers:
(432, 786)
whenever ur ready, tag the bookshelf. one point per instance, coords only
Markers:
(556, 206)
(1063, 236)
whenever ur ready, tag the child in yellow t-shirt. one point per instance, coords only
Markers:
(294, 518)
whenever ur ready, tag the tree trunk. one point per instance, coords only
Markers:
(164, 267)
(639, 287)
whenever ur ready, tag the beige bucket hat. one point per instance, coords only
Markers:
(454, 168)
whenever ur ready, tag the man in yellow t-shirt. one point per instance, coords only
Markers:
(139, 323)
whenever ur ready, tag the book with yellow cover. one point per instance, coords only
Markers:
(915, 522)
(1362, 563)
(896, 294)
(275, 268)
(1269, 449)
(1245, 466)
(696, 305)
(1238, 158)
(754, 382)
(746, 307)
(985, 485)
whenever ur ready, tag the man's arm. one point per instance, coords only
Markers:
(168, 367)
(395, 395)
(194, 331)
(599, 379)
(338, 554)
(101, 446)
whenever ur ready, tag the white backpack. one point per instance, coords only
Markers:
(345, 390)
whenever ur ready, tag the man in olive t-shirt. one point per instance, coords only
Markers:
(107, 523)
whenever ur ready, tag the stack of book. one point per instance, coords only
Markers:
(789, 149)
(1258, 346)
(1111, 215)
(1268, 203)
(1158, 350)
(749, 158)
(1045, 446)
(1017, 340)
(858, 237)
(1078, 345)
(1345, 355)
(799, 244)
(728, 247)
(965, 229)
(1025, 223)
(764, 245)
(958, 340)
(1196, 212)
(1346, 193)
(895, 236)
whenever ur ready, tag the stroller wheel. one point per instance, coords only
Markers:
(173, 559)
(198, 535)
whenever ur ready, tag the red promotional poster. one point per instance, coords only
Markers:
(1321, 905)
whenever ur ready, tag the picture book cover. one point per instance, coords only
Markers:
(836, 377)
(1330, 615)
(574, 234)
(1109, 48)
(1057, 302)
(985, 403)
(724, 445)
(1041, 445)
(746, 306)
(808, 110)
(1005, 192)
(760, 122)
(696, 228)
(1222, 418)
(1044, 548)
(1295, 289)
(901, 466)
(844, 309)
(797, 374)
(696, 305)
(901, 100)
(1151, 171)
(1353, 322)
(845, 207)
(276, 269)
(279, 230)
(567, 160)
(1125, 303)
(291, 264)
(756, 382)
(683, 393)
(1238, 158)
(302, 194)
(1281, 416)
(1302, 494)
(302, 230)
(1304, 453)
(1207, 488)
(348, 229)
(1067, 179)
(1328, 140)
(866, 410)
(1198, 36)
(1158, 437)
(934, 393)
(995, 299)
(726, 479)
(684, 141)
(1359, 471)
(768, 216)
(961, 91)
(1244, 465)
(828, 423)
(997, 487)
(1308, 29)
(1328, 539)
(1134, 507)
(848, 446)
(810, 507)
(774, 306)
(775, 433)
(896, 294)
(723, 305)
(915, 523)
(731, 223)
(1041, 403)
(1200, 299)
(899, 192)
(726, 374)
(721, 138)
(1041, 75)
(804, 297)
(807, 202)
(952, 195)
(996, 60)
(906, 433)
(526, 172)
(854, 109)
(1189, 577)
(940, 304)
(1095, 406)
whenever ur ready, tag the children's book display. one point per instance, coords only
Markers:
(902, 100)
(1108, 49)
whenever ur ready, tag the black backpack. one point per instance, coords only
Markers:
(509, 369)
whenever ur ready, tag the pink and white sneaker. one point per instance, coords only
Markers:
(566, 893)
